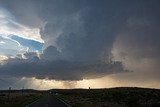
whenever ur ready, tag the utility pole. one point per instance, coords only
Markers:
(22, 90)
(9, 92)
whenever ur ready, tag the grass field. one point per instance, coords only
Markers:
(18, 98)
(114, 97)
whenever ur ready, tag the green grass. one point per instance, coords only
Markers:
(17, 99)
(114, 97)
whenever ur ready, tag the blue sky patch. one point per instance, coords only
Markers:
(31, 44)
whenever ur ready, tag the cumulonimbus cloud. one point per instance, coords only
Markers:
(78, 36)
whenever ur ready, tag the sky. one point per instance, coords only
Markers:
(47, 44)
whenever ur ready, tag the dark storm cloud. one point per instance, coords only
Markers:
(137, 44)
(60, 70)
(140, 33)
(79, 35)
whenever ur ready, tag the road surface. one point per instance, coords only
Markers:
(48, 101)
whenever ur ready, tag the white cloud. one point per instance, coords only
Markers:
(10, 26)
(9, 47)
(2, 58)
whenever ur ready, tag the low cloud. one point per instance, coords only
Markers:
(58, 70)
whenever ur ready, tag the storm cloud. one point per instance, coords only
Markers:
(80, 37)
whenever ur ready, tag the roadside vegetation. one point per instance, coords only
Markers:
(114, 97)
(17, 98)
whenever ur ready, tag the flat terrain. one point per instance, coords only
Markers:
(113, 97)
(18, 98)
(48, 101)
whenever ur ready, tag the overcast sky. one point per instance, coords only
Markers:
(79, 43)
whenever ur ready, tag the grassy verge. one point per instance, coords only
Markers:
(116, 97)
(18, 99)
(29, 100)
